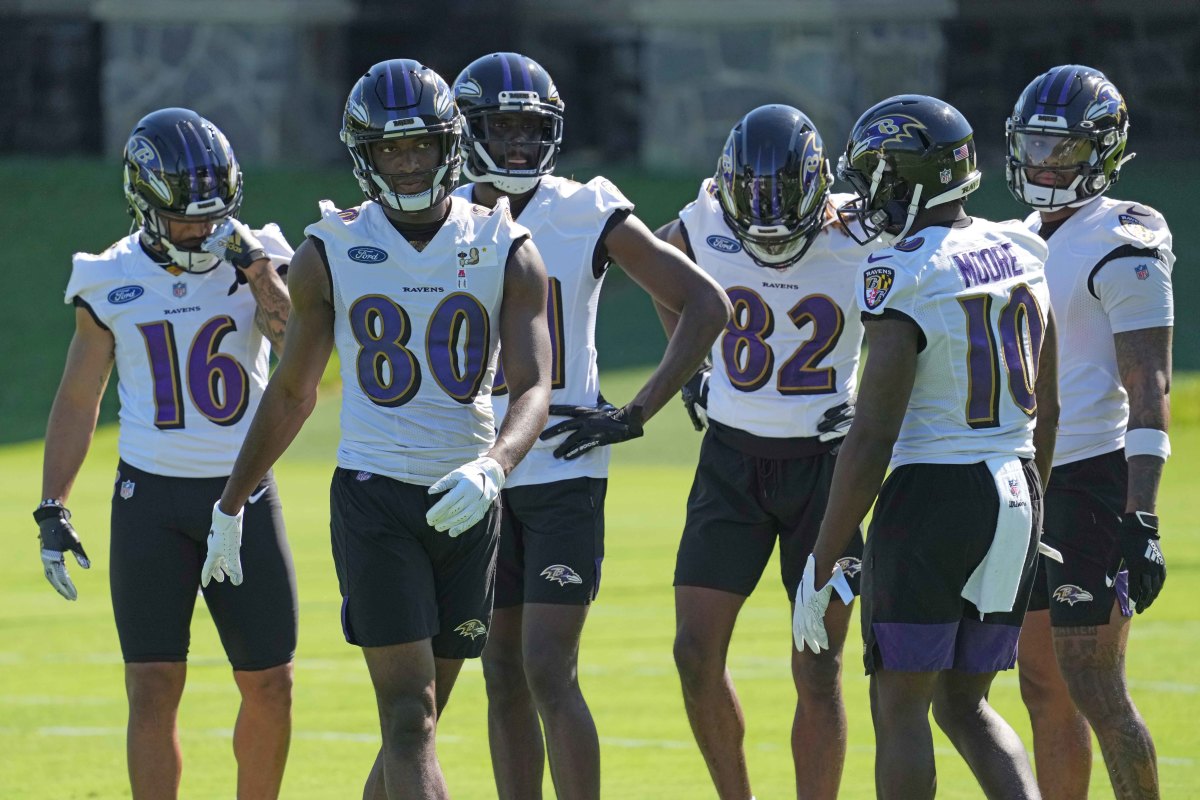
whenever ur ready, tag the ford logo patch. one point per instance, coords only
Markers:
(724, 244)
(367, 255)
(125, 294)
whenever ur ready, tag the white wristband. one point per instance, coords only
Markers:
(1147, 442)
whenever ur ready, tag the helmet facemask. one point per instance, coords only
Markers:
(775, 210)
(1073, 169)
(379, 185)
(884, 208)
(482, 166)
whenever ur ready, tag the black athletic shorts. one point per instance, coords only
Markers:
(1084, 504)
(159, 541)
(551, 543)
(932, 526)
(401, 580)
(740, 504)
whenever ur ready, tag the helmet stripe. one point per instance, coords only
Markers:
(1048, 82)
(192, 182)
(391, 87)
(408, 89)
(1066, 87)
(208, 161)
(507, 73)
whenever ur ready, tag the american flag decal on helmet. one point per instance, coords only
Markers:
(960, 153)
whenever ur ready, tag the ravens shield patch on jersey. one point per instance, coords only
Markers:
(877, 283)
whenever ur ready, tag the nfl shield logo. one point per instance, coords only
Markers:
(1014, 487)
(179, 289)
(1142, 271)
(126, 490)
(944, 176)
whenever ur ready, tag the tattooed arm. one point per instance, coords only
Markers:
(274, 303)
(1144, 361)
(76, 405)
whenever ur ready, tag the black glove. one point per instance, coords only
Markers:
(591, 427)
(695, 396)
(836, 422)
(58, 536)
(1142, 556)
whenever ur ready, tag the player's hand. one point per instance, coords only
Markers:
(808, 617)
(224, 548)
(473, 488)
(592, 427)
(57, 537)
(1142, 555)
(695, 396)
(233, 241)
(836, 422)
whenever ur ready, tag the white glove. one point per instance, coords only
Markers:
(473, 488)
(224, 548)
(233, 241)
(808, 618)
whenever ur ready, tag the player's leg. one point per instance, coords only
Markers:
(153, 576)
(390, 609)
(445, 675)
(704, 620)
(262, 733)
(257, 625)
(1092, 658)
(915, 621)
(152, 735)
(727, 541)
(1090, 618)
(514, 732)
(404, 676)
(904, 765)
(984, 645)
(1062, 739)
(986, 742)
(561, 550)
(550, 656)
(819, 732)
(798, 494)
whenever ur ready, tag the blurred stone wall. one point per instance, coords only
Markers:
(706, 64)
(270, 75)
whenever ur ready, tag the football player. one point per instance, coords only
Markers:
(776, 402)
(415, 288)
(959, 395)
(188, 307)
(1109, 272)
(552, 544)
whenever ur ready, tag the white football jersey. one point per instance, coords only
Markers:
(191, 363)
(979, 295)
(1109, 271)
(566, 219)
(791, 351)
(417, 336)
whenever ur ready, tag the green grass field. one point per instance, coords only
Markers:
(62, 708)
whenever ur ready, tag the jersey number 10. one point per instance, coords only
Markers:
(1021, 328)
